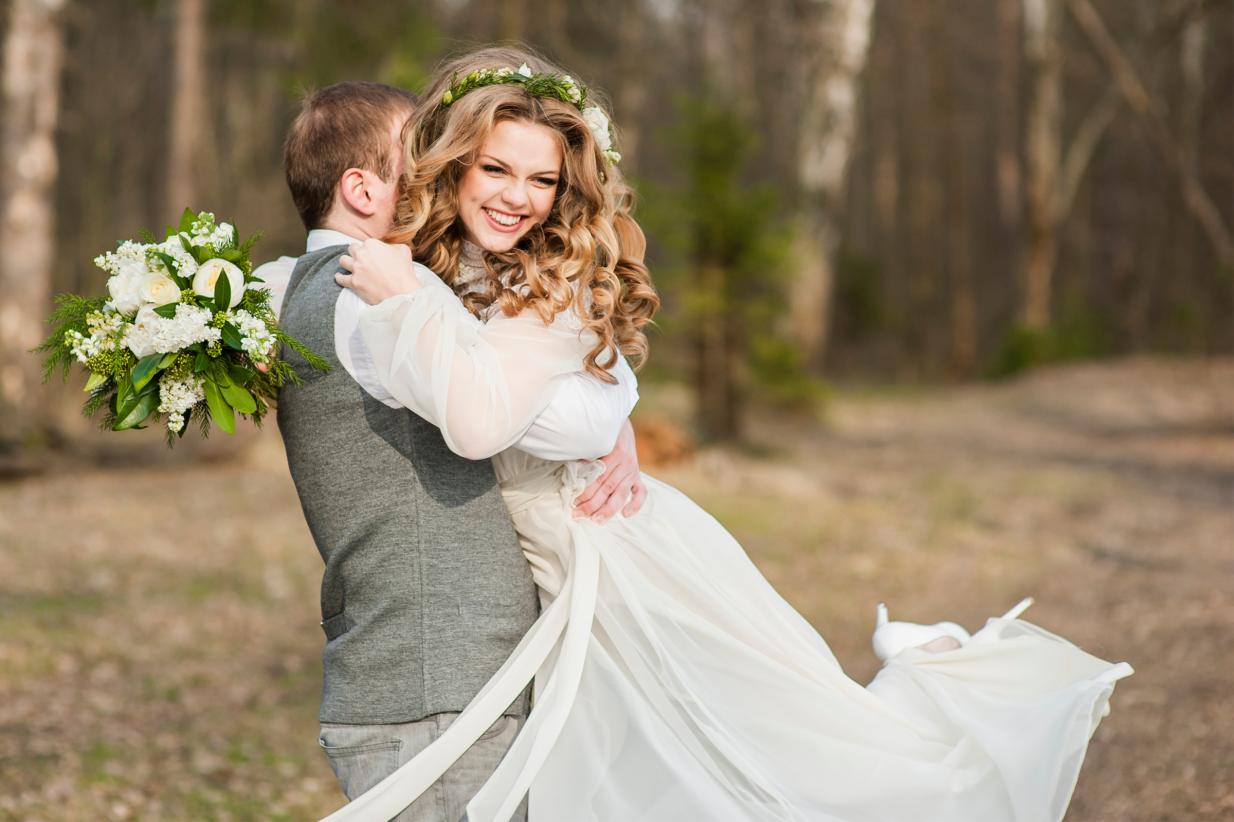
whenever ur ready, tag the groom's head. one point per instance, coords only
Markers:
(343, 156)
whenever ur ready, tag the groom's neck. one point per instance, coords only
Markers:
(359, 229)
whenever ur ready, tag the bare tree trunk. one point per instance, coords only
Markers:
(951, 138)
(716, 386)
(33, 53)
(513, 19)
(1006, 121)
(828, 124)
(188, 108)
(631, 90)
(1043, 149)
(1142, 103)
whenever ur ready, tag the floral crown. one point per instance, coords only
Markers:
(561, 87)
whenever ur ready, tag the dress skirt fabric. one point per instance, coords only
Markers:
(673, 683)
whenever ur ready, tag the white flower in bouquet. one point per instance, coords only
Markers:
(152, 334)
(128, 268)
(210, 271)
(159, 289)
(157, 345)
(176, 397)
(597, 122)
(205, 232)
(255, 337)
(186, 266)
(105, 329)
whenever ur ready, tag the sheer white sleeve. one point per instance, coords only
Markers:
(584, 418)
(483, 384)
(275, 276)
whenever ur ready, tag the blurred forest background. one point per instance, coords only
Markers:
(912, 189)
(948, 320)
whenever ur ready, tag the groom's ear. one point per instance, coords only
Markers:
(353, 190)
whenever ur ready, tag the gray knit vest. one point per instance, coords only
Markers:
(425, 591)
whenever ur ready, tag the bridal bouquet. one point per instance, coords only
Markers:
(187, 332)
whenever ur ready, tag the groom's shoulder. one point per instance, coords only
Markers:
(321, 256)
(319, 264)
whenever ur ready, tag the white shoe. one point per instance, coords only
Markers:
(890, 638)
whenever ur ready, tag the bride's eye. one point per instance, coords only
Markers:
(492, 169)
(546, 182)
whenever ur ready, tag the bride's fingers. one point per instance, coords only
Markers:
(619, 497)
(348, 262)
(345, 280)
(609, 494)
(594, 495)
(638, 495)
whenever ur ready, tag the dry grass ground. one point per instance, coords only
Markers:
(160, 649)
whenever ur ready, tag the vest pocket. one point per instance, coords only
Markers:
(336, 625)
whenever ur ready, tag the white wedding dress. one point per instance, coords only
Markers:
(671, 682)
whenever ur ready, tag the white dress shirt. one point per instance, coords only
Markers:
(581, 421)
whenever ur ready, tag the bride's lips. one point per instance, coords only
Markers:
(502, 227)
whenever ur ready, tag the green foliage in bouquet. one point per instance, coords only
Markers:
(187, 332)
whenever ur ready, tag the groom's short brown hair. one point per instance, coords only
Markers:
(346, 125)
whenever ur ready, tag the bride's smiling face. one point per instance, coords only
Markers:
(511, 185)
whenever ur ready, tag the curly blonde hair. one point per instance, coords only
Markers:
(587, 256)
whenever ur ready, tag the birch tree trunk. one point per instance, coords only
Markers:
(828, 126)
(1042, 22)
(33, 54)
(188, 115)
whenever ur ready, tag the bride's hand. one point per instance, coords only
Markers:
(378, 271)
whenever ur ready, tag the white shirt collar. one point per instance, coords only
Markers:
(320, 238)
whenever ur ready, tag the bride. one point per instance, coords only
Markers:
(671, 682)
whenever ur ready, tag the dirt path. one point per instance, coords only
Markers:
(160, 650)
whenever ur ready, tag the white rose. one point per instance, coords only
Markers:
(125, 290)
(597, 121)
(159, 289)
(208, 274)
(140, 337)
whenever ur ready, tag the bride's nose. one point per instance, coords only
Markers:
(515, 194)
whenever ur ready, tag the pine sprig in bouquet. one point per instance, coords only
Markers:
(187, 333)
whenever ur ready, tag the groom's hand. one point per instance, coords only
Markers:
(620, 484)
(377, 271)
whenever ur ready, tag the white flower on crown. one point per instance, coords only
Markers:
(525, 70)
(597, 122)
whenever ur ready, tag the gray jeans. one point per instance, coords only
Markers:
(363, 755)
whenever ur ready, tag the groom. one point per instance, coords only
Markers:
(425, 591)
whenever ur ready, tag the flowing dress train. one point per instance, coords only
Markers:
(673, 683)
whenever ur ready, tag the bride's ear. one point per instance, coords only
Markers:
(353, 190)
